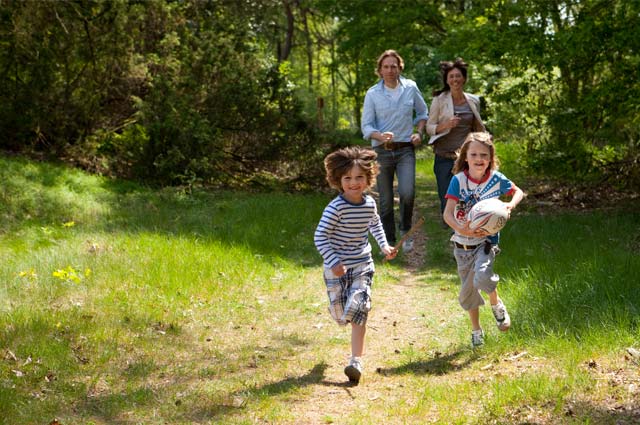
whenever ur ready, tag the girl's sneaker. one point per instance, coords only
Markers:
(354, 370)
(477, 338)
(503, 321)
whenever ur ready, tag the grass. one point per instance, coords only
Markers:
(122, 304)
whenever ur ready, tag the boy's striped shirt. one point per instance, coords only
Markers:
(342, 234)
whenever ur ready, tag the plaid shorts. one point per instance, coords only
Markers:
(350, 294)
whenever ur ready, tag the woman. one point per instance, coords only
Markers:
(453, 115)
(388, 121)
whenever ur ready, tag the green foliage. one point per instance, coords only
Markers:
(119, 303)
(225, 92)
(562, 78)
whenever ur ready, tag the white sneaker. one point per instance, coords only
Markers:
(503, 321)
(354, 370)
(407, 246)
(477, 338)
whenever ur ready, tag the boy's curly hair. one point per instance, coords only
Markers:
(338, 163)
(480, 137)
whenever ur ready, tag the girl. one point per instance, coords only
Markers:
(476, 178)
(342, 239)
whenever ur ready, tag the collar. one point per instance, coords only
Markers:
(380, 85)
(482, 180)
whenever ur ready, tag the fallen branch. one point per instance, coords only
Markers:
(407, 235)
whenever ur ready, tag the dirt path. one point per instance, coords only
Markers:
(396, 323)
(412, 344)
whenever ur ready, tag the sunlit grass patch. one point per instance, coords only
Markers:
(210, 307)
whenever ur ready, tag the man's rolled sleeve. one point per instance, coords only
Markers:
(422, 113)
(368, 118)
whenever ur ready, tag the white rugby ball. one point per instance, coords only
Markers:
(490, 215)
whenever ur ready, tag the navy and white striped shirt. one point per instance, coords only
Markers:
(342, 234)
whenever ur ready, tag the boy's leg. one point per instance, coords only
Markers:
(356, 311)
(357, 339)
(354, 368)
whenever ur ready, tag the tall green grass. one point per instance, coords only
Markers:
(123, 304)
(103, 282)
(573, 275)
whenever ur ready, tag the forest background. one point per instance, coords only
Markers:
(256, 92)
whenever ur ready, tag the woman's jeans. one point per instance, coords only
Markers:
(400, 162)
(442, 169)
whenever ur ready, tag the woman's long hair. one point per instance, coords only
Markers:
(445, 68)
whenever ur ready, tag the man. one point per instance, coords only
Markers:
(388, 121)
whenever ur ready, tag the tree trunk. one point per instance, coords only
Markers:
(283, 53)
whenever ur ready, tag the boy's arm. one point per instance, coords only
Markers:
(376, 229)
(321, 238)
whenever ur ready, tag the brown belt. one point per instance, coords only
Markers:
(448, 155)
(392, 146)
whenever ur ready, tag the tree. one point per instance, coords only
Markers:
(562, 76)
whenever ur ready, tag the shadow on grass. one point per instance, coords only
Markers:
(237, 400)
(440, 365)
(618, 414)
(570, 412)
(314, 376)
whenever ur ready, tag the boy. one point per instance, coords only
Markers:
(342, 239)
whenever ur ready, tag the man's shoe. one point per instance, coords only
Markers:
(503, 321)
(407, 246)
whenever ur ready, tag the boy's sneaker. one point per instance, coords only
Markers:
(354, 370)
(503, 321)
(477, 338)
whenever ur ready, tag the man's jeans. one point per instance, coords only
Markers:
(442, 169)
(400, 162)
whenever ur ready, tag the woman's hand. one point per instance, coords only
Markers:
(448, 124)
(454, 121)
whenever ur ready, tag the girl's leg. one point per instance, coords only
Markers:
(493, 297)
(474, 315)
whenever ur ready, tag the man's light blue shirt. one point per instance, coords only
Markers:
(382, 113)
